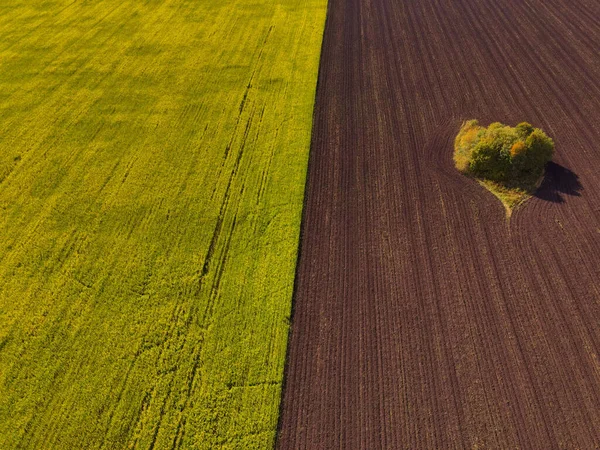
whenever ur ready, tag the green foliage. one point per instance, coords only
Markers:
(540, 149)
(502, 153)
(490, 160)
(153, 157)
(524, 129)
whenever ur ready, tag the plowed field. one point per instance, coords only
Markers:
(424, 318)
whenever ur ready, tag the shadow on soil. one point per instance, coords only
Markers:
(558, 181)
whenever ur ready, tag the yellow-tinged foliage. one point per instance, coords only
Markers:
(517, 149)
(152, 165)
(463, 144)
(470, 136)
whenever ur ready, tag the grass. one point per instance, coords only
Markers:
(511, 197)
(152, 167)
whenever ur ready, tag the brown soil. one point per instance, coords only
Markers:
(422, 318)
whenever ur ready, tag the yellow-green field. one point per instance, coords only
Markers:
(152, 166)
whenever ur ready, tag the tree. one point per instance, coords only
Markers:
(524, 129)
(489, 160)
(508, 161)
(513, 155)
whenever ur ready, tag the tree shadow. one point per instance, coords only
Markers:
(558, 181)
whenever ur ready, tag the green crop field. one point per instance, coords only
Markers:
(152, 168)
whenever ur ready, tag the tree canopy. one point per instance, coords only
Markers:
(504, 154)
